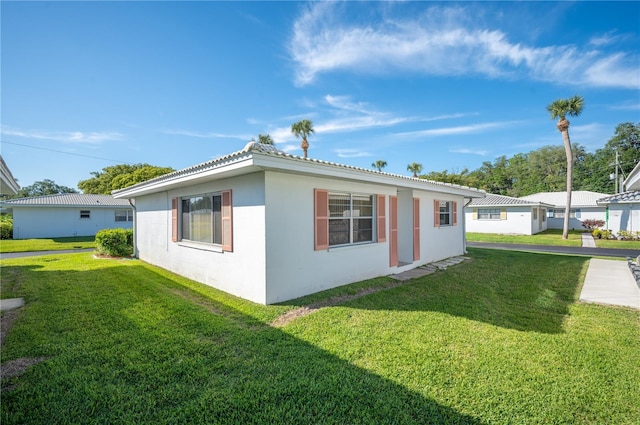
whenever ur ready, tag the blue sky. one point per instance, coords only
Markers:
(450, 85)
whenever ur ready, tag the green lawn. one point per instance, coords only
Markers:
(549, 237)
(50, 244)
(498, 339)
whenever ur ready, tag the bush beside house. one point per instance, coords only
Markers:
(115, 242)
(6, 227)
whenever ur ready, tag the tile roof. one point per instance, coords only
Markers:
(579, 198)
(632, 197)
(270, 150)
(68, 200)
(501, 200)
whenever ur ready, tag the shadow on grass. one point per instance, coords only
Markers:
(515, 290)
(125, 347)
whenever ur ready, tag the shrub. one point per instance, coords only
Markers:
(592, 223)
(597, 233)
(115, 242)
(6, 226)
(606, 234)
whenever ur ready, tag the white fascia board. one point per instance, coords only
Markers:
(302, 166)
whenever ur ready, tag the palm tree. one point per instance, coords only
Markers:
(265, 139)
(303, 129)
(379, 164)
(415, 168)
(560, 108)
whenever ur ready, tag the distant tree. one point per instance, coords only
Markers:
(44, 187)
(120, 176)
(560, 109)
(379, 164)
(303, 129)
(415, 168)
(265, 139)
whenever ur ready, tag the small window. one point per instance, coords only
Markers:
(85, 214)
(124, 215)
(445, 213)
(559, 213)
(350, 218)
(535, 213)
(489, 214)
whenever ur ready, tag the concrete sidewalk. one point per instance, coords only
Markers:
(610, 282)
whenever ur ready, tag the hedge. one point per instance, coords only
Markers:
(115, 242)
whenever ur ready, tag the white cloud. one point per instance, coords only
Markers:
(208, 135)
(449, 131)
(470, 151)
(444, 42)
(93, 137)
(351, 153)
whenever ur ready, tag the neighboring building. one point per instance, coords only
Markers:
(269, 226)
(68, 214)
(584, 206)
(623, 209)
(8, 184)
(506, 215)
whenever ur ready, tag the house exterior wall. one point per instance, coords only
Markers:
(519, 221)
(240, 272)
(624, 216)
(294, 268)
(59, 222)
(584, 213)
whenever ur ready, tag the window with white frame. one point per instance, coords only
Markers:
(350, 218)
(535, 213)
(124, 215)
(559, 213)
(85, 214)
(201, 218)
(489, 214)
(446, 212)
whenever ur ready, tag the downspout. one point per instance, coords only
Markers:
(464, 226)
(135, 233)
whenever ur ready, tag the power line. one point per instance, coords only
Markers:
(67, 153)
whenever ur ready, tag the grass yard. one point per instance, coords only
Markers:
(551, 237)
(50, 244)
(498, 339)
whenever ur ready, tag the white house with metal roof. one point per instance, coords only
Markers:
(68, 214)
(506, 215)
(623, 209)
(8, 184)
(584, 205)
(268, 226)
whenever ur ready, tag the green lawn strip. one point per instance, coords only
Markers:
(495, 340)
(551, 237)
(612, 243)
(48, 244)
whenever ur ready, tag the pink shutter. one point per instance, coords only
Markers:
(227, 221)
(382, 218)
(416, 229)
(321, 219)
(454, 206)
(436, 213)
(393, 231)
(174, 219)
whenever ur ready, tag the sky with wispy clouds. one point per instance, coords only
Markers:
(86, 85)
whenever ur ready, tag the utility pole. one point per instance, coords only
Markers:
(617, 164)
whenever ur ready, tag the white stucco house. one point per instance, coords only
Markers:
(268, 226)
(68, 214)
(8, 184)
(506, 215)
(623, 209)
(584, 205)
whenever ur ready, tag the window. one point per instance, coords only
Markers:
(350, 218)
(85, 214)
(559, 213)
(204, 219)
(445, 213)
(489, 214)
(535, 213)
(444, 209)
(544, 214)
(124, 215)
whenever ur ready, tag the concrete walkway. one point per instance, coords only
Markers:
(11, 304)
(587, 240)
(610, 282)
